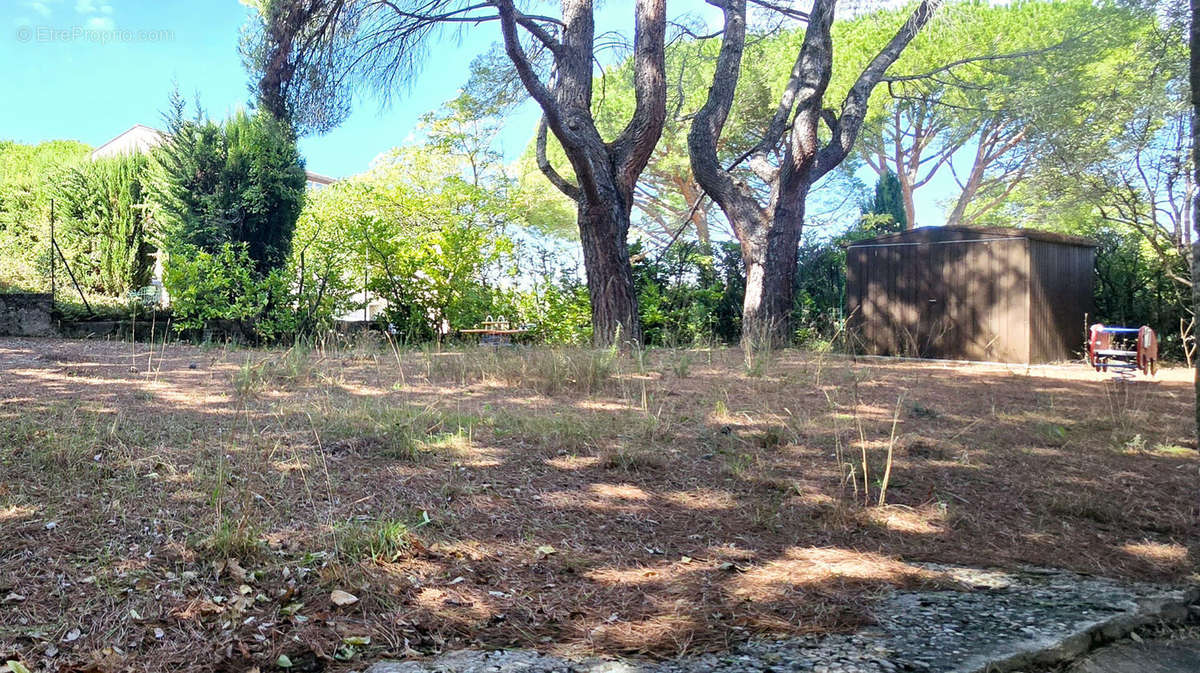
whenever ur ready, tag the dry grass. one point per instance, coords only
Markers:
(195, 508)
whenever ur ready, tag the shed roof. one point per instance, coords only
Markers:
(927, 235)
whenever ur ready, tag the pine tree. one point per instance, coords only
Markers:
(241, 181)
(885, 212)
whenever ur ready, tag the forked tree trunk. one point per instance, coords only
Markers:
(770, 232)
(605, 172)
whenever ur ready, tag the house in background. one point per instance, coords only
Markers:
(138, 139)
(141, 138)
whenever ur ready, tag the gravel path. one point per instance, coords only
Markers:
(1000, 619)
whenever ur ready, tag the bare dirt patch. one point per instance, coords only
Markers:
(188, 507)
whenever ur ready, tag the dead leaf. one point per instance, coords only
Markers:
(342, 598)
(235, 569)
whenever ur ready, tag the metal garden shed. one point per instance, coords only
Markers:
(991, 294)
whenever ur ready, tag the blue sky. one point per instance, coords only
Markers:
(89, 69)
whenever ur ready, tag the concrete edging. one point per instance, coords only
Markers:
(1173, 609)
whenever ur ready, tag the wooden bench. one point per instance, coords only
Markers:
(496, 332)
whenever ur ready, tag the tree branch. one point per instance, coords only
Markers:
(854, 108)
(552, 175)
(633, 147)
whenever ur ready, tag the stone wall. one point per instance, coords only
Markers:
(107, 329)
(25, 315)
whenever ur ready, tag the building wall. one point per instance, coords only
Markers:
(1061, 295)
(957, 299)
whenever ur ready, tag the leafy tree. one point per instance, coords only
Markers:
(309, 48)
(241, 181)
(326, 260)
(681, 293)
(210, 287)
(298, 78)
(423, 235)
(999, 89)
(1132, 190)
(106, 224)
(218, 285)
(552, 302)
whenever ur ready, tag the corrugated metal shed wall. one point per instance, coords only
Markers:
(965, 294)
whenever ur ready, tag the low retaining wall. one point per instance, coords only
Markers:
(25, 314)
(107, 329)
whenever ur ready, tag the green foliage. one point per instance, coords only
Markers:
(1130, 191)
(820, 297)
(28, 174)
(208, 286)
(325, 261)
(1032, 81)
(687, 297)
(426, 239)
(555, 305)
(105, 223)
(1053, 77)
(1135, 282)
(427, 229)
(886, 210)
(241, 181)
(224, 286)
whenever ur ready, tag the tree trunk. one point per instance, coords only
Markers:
(1196, 297)
(770, 256)
(690, 192)
(602, 232)
(606, 172)
(910, 205)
